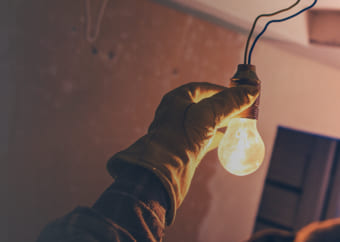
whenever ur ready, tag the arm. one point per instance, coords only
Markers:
(153, 175)
(133, 208)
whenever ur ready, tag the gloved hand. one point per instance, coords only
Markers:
(183, 131)
(325, 231)
(272, 235)
(328, 230)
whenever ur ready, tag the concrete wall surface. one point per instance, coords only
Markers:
(76, 103)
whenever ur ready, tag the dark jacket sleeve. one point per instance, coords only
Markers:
(133, 208)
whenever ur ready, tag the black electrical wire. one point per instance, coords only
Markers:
(276, 21)
(255, 22)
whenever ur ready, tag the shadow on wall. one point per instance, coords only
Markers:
(194, 210)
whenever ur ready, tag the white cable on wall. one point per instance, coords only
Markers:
(91, 36)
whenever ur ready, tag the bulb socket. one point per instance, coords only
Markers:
(246, 75)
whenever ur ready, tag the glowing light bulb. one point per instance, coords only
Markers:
(241, 150)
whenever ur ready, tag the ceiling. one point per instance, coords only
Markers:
(293, 34)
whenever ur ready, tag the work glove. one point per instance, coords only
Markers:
(184, 129)
(272, 235)
(325, 231)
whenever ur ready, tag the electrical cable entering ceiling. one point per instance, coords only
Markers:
(257, 19)
(266, 26)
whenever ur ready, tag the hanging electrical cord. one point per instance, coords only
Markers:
(276, 21)
(91, 37)
(255, 22)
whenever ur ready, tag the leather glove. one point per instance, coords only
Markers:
(183, 131)
(325, 231)
(272, 235)
(328, 230)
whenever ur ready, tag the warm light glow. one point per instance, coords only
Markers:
(241, 150)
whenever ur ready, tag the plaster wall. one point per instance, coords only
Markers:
(76, 103)
(241, 13)
(297, 93)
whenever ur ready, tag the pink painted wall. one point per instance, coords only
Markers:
(75, 106)
(77, 103)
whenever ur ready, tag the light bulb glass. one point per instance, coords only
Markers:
(241, 150)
